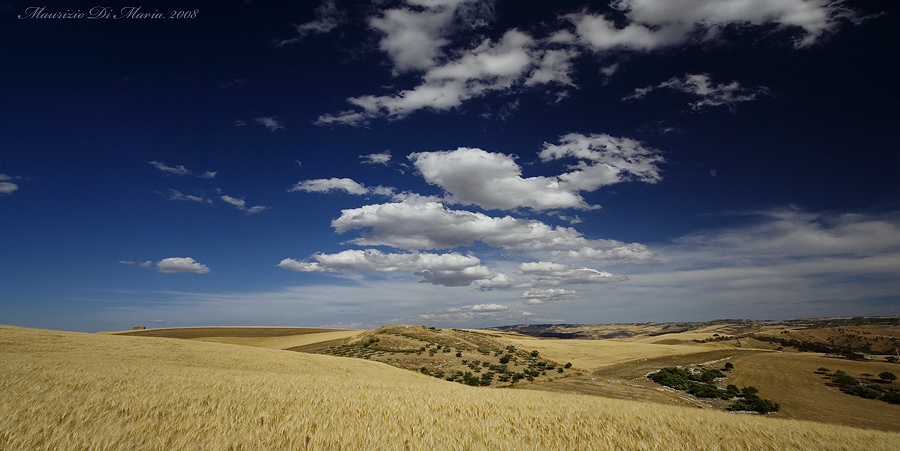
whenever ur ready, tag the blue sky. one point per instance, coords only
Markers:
(457, 163)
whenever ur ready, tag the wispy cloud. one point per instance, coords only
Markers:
(710, 94)
(376, 158)
(178, 195)
(539, 296)
(180, 170)
(328, 17)
(241, 204)
(177, 170)
(269, 122)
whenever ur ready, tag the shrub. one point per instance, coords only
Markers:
(559, 370)
(676, 378)
(425, 371)
(708, 376)
(755, 404)
(843, 379)
(729, 366)
(459, 353)
(887, 377)
(568, 365)
(706, 390)
(823, 370)
(505, 359)
(535, 353)
(892, 396)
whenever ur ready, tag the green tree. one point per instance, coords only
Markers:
(887, 377)
(729, 366)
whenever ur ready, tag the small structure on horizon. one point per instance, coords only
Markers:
(138, 327)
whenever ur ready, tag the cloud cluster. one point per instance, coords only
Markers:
(468, 176)
(646, 25)
(418, 39)
(415, 224)
(451, 269)
(711, 94)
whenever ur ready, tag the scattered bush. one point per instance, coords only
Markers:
(568, 365)
(887, 377)
(729, 367)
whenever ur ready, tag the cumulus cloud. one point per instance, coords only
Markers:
(423, 224)
(555, 274)
(241, 204)
(491, 181)
(539, 296)
(181, 264)
(269, 122)
(711, 94)
(646, 25)
(376, 158)
(328, 17)
(413, 37)
(451, 269)
(494, 180)
(7, 187)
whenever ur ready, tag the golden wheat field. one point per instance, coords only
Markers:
(73, 391)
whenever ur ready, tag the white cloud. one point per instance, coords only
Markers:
(269, 122)
(491, 181)
(181, 264)
(5, 186)
(376, 158)
(489, 67)
(332, 184)
(711, 94)
(177, 170)
(452, 269)
(181, 170)
(652, 24)
(414, 37)
(539, 296)
(328, 17)
(416, 224)
(629, 253)
(241, 204)
(611, 160)
(178, 195)
(555, 274)
(494, 180)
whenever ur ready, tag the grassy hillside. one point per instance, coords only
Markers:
(71, 391)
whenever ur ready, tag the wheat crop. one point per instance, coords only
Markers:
(69, 391)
